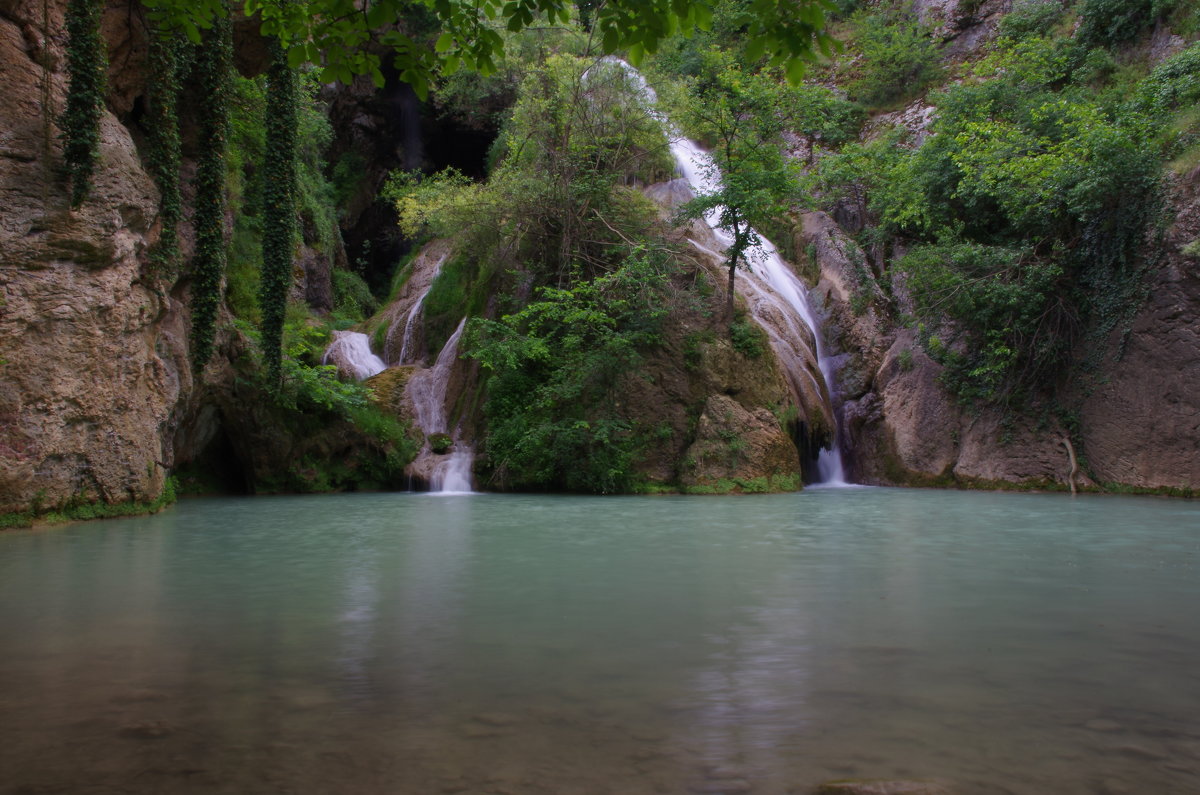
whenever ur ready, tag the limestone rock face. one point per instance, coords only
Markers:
(735, 447)
(1141, 422)
(899, 426)
(86, 384)
(1139, 415)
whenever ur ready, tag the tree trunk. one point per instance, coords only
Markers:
(729, 294)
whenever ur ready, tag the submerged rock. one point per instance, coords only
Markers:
(882, 787)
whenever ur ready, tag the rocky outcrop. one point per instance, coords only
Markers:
(399, 326)
(899, 425)
(1140, 419)
(738, 449)
(88, 384)
(98, 401)
(1139, 414)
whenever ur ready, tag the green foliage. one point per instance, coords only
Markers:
(1174, 84)
(278, 204)
(742, 114)
(309, 396)
(352, 299)
(335, 36)
(747, 338)
(560, 202)
(166, 61)
(554, 419)
(899, 57)
(80, 509)
(821, 114)
(87, 71)
(1026, 213)
(1108, 23)
(214, 61)
(693, 348)
(1030, 18)
(757, 485)
(458, 291)
(440, 443)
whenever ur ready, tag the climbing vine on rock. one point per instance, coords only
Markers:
(166, 62)
(87, 64)
(213, 62)
(279, 204)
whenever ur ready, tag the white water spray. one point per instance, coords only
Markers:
(351, 352)
(427, 389)
(772, 287)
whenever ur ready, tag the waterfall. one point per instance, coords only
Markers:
(427, 390)
(771, 288)
(350, 351)
(403, 342)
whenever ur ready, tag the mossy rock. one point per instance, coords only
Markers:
(388, 387)
(440, 443)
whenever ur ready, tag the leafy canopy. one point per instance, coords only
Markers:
(335, 34)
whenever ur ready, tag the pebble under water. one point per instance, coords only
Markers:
(409, 643)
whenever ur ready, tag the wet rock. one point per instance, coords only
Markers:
(1112, 786)
(473, 731)
(495, 719)
(721, 787)
(1102, 725)
(882, 787)
(721, 773)
(140, 697)
(147, 730)
(1143, 752)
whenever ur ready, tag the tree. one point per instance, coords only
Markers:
(336, 34)
(742, 115)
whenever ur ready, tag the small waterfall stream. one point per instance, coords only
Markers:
(769, 287)
(351, 352)
(427, 389)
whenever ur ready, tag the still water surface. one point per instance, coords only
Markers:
(404, 643)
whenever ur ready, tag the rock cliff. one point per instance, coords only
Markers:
(91, 369)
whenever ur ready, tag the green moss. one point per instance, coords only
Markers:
(747, 337)
(779, 482)
(459, 290)
(81, 510)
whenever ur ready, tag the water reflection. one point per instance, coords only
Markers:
(403, 643)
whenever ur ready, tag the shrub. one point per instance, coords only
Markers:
(553, 370)
(1030, 18)
(1026, 212)
(1108, 23)
(899, 58)
(352, 298)
(747, 338)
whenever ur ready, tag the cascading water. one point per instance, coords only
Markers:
(772, 287)
(351, 352)
(408, 308)
(427, 390)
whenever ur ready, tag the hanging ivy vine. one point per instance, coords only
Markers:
(214, 60)
(279, 204)
(166, 61)
(87, 66)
